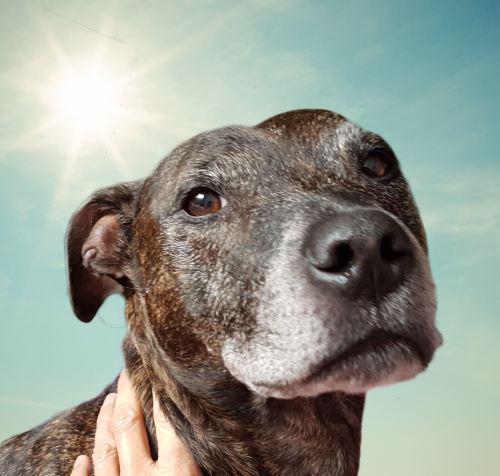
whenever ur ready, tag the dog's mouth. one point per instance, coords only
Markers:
(378, 346)
(381, 358)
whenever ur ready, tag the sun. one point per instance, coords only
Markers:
(86, 100)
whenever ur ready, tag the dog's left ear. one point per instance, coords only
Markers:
(98, 247)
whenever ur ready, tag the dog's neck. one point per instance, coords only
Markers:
(239, 434)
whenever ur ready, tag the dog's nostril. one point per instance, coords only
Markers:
(340, 258)
(388, 250)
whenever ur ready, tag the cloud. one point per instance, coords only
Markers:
(28, 403)
(481, 347)
(461, 212)
(279, 5)
(459, 202)
(4, 285)
(372, 52)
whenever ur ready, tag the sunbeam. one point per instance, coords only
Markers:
(86, 99)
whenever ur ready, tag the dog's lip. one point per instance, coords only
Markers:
(375, 343)
(377, 359)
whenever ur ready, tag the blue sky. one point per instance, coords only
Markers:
(425, 75)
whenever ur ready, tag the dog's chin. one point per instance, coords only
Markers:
(365, 365)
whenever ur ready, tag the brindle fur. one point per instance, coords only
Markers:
(191, 285)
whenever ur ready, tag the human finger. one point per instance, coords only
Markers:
(173, 456)
(81, 467)
(105, 455)
(129, 431)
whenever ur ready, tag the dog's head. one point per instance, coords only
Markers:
(290, 254)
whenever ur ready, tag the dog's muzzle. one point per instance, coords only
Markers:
(350, 309)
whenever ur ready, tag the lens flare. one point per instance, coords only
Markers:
(87, 100)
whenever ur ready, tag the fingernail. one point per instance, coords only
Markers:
(80, 460)
(110, 399)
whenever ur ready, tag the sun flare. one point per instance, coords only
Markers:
(88, 101)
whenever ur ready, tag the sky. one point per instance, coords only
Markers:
(424, 75)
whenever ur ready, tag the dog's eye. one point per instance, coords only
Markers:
(203, 202)
(375, 165)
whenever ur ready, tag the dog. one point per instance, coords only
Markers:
(272, 275)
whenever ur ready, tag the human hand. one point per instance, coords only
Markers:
(121, 442)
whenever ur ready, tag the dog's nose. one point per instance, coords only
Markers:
(362, 253)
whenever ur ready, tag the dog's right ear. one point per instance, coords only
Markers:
(98, 245)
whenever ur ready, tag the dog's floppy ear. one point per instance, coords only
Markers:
(98, 245)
